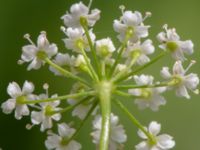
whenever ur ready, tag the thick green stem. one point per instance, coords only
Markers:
(65, 72)
(135, 121)
(104, 89)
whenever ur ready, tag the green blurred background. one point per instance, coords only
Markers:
(180, 117)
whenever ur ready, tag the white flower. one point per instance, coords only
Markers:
(104, 47)
(77, 38)
(18, 95)
(35, 53)
(162, 142)
(45, 116)
(77, 11)
(179, 80)
(133, 21)
(117, 133)
(60, 142)
(171, 41)
(147, 97)
(65, 61)
(144, 49)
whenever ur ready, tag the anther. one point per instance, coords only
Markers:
(122, 8)
(192, 62)
(27, 36)
(147, 15)
(29, 126)
(20, 62)
(43, 32)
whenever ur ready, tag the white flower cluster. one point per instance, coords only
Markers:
(102, 73)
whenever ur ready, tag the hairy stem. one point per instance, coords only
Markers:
(105, 89)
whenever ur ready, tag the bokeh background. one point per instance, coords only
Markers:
(180, 117)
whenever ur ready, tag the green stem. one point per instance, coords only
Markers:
(91, 69)
(81, 94)
(123, 94)
(142, 86)
(141, 68)
(65, 72)
(103, 69)
(83, 121)
(105, 89)
(91, 47)
(120, 74)
(121, 49)
(135, 121)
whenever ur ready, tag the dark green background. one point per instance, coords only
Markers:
(179, 117)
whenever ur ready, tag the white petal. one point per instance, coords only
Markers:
(56, 117)
(36, 117)
(42, 41)
(35, 64)
(135, 92)
(118, 134)
(8, 106)
(21, 110)
(81, 111)
(65, 131)
(178, 68)
(142, 146)
(191, 81)
(14, 90)
(97, 122)
(181, 91)
(53, 141)
(154, 127)
(96, 136)
(93, 17)
(178, 55)
(142, 31)
(143, 59)
(119, 27)
(147, 47)
(132, 19)
(172, 35)
(46, 123)
(165, 73)
(165, 141)
(142, 103)
(51, 50)
(141, 134)
(187, 47)
(73, 145)
(79, 9)
(161, 37)
(28, 53)
(28, 88)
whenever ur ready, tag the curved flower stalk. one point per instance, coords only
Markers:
(102, 72)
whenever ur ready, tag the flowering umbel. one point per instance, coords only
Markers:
(102, 73)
